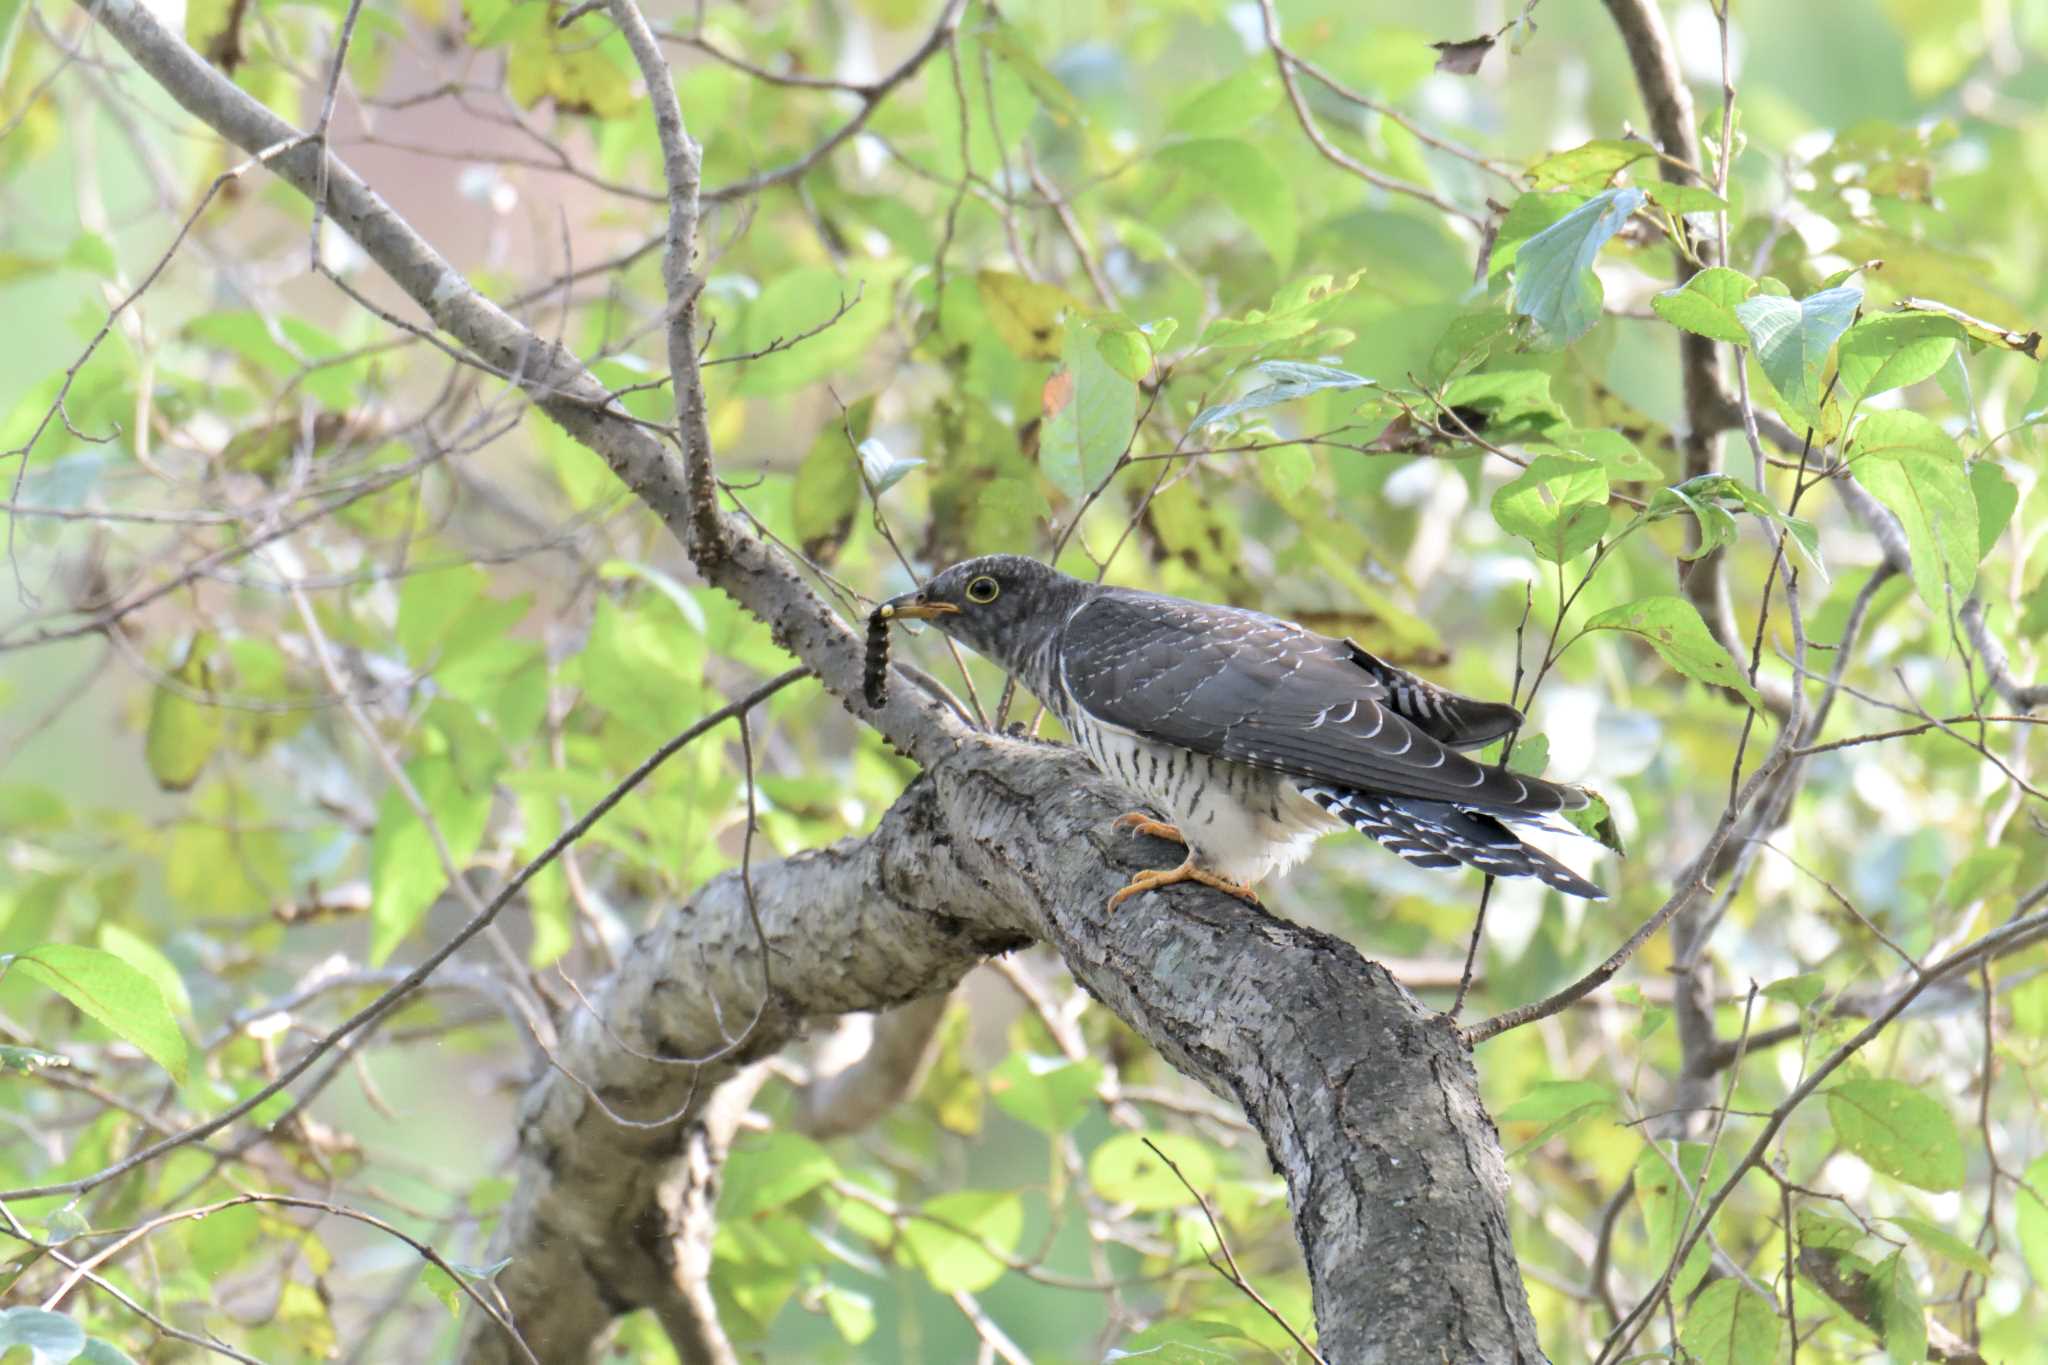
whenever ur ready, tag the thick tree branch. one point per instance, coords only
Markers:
(1366, 1099)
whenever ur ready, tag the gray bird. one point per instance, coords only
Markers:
(1256, 737)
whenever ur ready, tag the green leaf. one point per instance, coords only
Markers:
(1673, 628)
(1793, 340)
(405, 868)
(1987, 872)
(1615, 452)
(1939, 1240)
(147, 958)
(1126, 349)
(1898, 1130)
(2031, 1217)
(442, 1286)
(1228, 106)
(1730, 1324)
(1558, 504)
(1996, 500)
(853, 1315)
(1910, 465)
(1295, 310)
(1090, 411)
(1555, 286)
(184, 732)
(1706, 303)
(1801, 990)
(1004, 40)
(50, 1337)
(98, 1352)
(1684, 198)
(1292, 379)
(827, 490)
(1669, 1207)
(1557, 1105)
(1248, 181)
(953, 1261)
(112, 994)
(1051, 1094)
(771, 1170)
(1589, 166)
(1713, 500)
(1124, 1170)
(1892, 351)
(1901, 1318)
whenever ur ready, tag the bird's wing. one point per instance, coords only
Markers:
(1461, 722)
(1251, 688)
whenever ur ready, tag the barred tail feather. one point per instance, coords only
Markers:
(1437, 834)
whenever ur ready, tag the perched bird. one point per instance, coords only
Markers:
(1255, 737)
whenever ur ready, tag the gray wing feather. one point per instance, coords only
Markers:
(1258, 690)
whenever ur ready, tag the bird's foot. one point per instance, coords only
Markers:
(1145, 824)
(1186, 872)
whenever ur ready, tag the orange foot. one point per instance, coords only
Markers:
(1186, 872)
(1145, 824)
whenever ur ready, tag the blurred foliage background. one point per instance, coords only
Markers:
(268, 547)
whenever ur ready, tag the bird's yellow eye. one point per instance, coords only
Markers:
(983, 589)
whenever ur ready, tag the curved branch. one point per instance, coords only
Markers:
(1367, 1100)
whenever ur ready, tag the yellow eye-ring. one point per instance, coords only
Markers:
(983, 589)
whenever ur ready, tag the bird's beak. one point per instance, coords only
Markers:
(912, 606)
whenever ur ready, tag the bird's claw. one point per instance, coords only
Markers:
(1187, 872)
(1144, 824)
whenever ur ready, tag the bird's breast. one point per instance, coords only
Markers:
(1241, 822)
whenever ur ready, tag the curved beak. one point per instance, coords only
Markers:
(912, 606)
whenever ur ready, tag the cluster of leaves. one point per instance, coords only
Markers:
(1082, 287)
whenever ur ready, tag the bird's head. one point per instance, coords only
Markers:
(999, 606)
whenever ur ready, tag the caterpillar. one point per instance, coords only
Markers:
(874, 678)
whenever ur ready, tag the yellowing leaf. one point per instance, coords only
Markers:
(1025, 313)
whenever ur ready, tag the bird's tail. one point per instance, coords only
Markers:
(1438, 834)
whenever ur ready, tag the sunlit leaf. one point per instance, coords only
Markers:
(1558, 504)
(111, 993)
(1672, 626)
(1051, 1094)
(1892, 351)
(1124, 1170)
(1910, 465)
(1899, 1130)
(1730, 1324)
(1589, 166)
(958, 1241)
(1706, 304)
